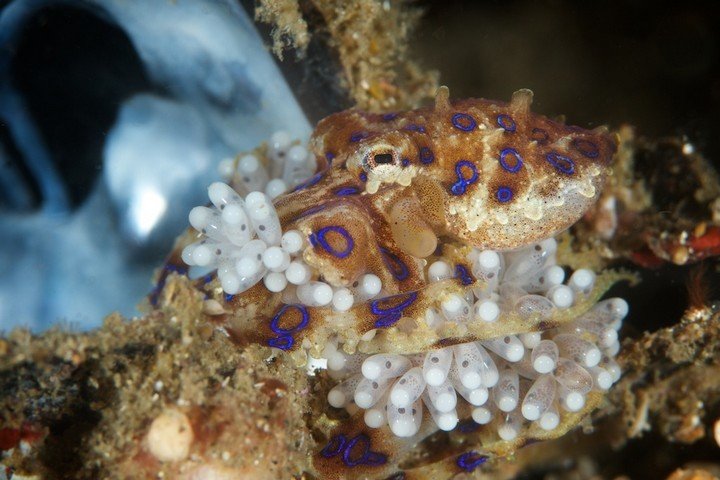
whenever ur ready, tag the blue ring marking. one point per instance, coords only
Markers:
(414, 127)
(283, 342)
(367, 458)
(207, 278)
(459, 187)
(318, 238)
(561, 163)
(462, 273)
(504, 194)
(389, 116)
(585, 147)
(506, 123)
(329, 156)
(345, 191)
(464, 122)
(405, 162)
(426, 156)
(504, 153)
(540, 136)
(155, 293)
(388, 316)
(397, 267)
(377, 309)
(334, 446)
(469, 461)
(468, 426)
(309, 211)
(375, 458)
(310, 182)
(275, 322)
(363, 177)
(387, 320)
(169, 268)
(229, 297)
(181, 269)
(357, 136)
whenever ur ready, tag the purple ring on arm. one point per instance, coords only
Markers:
(506, 152)
(464, 122)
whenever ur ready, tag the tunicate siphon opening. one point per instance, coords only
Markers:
(72, 70)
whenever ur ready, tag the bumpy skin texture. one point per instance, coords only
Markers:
(394, 193)
(484, 173)
(491, 174)
(389, 188)
(386, 181)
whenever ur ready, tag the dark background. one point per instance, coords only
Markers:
(655, 65)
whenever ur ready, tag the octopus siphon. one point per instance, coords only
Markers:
(415, 254)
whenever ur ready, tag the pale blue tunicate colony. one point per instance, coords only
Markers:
(224, 95)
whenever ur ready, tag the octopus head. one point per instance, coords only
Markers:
(491, 174)
(367, 147)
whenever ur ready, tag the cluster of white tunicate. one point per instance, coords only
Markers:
(509, 380)
(243, 240)
(290, 164)
(242, 237)
(315, 293)
(320, 294)
(527, 280)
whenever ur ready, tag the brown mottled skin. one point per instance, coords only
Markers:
(545, 200)
(557, 200)
(389, 180)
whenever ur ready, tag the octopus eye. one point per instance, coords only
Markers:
(381, 158)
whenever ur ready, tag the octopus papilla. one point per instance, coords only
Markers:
(453, 207)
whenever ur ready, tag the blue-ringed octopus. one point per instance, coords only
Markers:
(415, 253)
